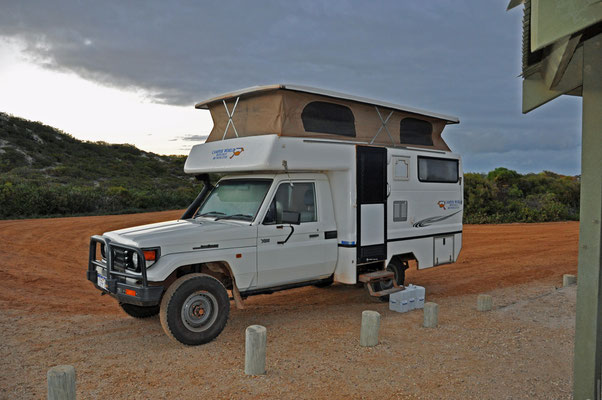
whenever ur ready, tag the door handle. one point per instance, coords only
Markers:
(313, 235)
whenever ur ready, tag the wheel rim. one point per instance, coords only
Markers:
(199, 311)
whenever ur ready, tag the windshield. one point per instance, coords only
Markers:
(235, 199)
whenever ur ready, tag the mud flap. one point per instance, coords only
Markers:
(237, 298)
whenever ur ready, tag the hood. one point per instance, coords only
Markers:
(186, 235)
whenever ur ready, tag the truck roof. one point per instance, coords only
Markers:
(254, 90)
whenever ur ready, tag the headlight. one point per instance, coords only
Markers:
(135, 260)
(102, 251)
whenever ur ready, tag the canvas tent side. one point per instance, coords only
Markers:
(296, 111)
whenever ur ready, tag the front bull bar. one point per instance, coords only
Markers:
(141, 295)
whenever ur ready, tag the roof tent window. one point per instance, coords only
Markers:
(441, 170)
(323, 117)
(415, 131)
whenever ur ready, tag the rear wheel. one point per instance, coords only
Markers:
(139, 311)
(195, 309)
(399, 269)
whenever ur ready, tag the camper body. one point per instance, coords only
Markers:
(289, 211)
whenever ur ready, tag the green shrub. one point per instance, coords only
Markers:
(504, 196)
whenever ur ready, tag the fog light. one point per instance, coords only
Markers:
(130, 292)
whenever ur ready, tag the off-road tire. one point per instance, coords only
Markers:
(177, 315)
(399, 269)
(139, 311)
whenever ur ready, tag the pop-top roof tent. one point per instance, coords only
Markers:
(298, 111)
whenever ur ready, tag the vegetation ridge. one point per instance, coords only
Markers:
(46, 172)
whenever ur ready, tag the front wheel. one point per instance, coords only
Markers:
(194, 309)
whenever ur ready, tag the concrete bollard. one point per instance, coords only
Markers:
(255, 349)
(61, 383)
(568, 280)
(431, 315)
(484, 302)
(370, 328)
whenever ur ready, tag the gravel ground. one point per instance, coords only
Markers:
(521, 349)
(49, 315)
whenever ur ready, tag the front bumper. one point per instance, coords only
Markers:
(126, 287)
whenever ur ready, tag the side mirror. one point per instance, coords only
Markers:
(291, 217)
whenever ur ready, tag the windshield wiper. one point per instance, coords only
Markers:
(236, 216)
(211, 214)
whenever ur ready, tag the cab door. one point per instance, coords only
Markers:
(293, 253)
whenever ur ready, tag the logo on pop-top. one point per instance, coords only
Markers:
(223, 154)
(449, 204)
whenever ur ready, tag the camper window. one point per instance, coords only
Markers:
(415, 131)
(441, 170)
(301, 198)
(323, 117)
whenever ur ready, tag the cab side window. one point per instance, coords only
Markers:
(300, 197)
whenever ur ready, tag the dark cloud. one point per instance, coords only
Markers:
(459, 58)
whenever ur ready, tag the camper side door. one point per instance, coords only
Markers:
(306, 254)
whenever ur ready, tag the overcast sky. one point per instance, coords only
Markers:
(131, 71)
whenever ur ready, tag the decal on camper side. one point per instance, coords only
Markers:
(228, 153)
(449, 204)
(432, 220)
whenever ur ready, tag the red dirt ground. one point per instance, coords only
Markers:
(42, 261)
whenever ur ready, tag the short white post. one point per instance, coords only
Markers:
(484, 302)
(370, 328)
(255, 349)
(568, 280)
(431, 315)
(61, 383)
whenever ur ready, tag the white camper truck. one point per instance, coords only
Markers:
(317, 187)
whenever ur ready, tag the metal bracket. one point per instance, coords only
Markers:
(285, 165)
(384, 125)
(230, 114)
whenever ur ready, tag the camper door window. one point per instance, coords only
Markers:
(235, 199)
(442, 170)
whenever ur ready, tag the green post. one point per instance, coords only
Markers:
(588, 332)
